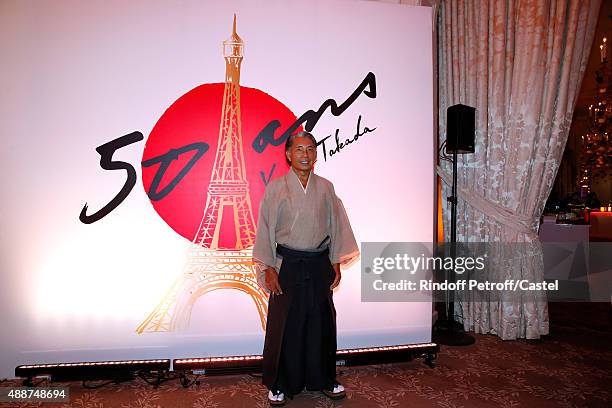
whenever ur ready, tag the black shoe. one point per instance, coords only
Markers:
(336, 393)
(276, 398)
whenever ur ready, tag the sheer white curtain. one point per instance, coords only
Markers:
(520, 63)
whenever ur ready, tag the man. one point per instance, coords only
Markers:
(303, 235)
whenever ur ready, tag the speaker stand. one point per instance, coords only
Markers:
(447, 331)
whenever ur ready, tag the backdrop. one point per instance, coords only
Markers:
(111, 123)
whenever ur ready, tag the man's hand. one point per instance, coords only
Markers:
(272, 281)
(338, 276)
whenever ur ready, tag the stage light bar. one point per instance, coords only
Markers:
(345, 357)
(94, 363)
(219, 365)
(216, 359)
(387, 354)
(91, 370)
(387, 348)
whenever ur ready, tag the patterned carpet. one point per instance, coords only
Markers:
(570, 368)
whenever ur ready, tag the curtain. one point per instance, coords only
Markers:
(520, 63)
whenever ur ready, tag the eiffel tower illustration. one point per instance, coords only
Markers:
(216, 262)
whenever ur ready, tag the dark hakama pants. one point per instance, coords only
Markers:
(300, 344)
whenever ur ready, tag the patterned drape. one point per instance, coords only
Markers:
(520, 63)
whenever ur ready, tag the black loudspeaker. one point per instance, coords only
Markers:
(460, 127)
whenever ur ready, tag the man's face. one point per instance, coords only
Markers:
(302, 154)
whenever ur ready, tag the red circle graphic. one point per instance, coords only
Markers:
(196, 117)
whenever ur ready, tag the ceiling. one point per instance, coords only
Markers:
(604, 29)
